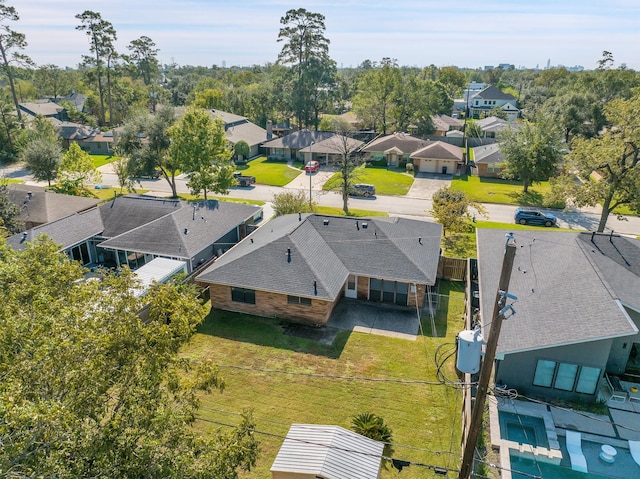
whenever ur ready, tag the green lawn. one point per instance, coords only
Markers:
(100, 160)
(387, 182)
(425, 417)
(108, 193)
(267, 172)
(331, 210)
(463, 245)
(189, 197)
(495, 190)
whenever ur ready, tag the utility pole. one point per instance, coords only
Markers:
(489, 357)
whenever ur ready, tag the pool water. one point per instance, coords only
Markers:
(528, 467)
(523, 429)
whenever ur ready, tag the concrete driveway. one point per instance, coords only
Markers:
(426, 184)
(318, 179)
(375, 318)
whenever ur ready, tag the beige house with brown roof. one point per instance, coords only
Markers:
(438, 157)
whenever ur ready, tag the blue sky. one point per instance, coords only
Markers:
(466, 33)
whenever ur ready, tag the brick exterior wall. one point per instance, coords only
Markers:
(273, 305)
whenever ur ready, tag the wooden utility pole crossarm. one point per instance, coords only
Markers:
(475, 425)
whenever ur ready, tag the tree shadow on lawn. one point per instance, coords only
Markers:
(275, 333)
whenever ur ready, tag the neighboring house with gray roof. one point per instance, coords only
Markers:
(298, 267)
(487, 161)
(45, 108)
(318, 451)
(438, 157)
(135, 229)
(38, 205)
(446, 123)
(289, 146)
(577, 312)
(482, 102)
(492, 126)
(238, 128)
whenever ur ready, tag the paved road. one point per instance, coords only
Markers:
(416, 204)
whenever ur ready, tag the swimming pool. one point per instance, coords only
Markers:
(528, 467)
(523, 429)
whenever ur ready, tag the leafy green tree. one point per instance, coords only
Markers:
(122, 167)
(42, 153)
(95, 391)
(290, 202)
(369, 425)
(144, 56)
(9, 212)
(375, 95)
(453, 80)
(242, 150)
(102, 36)
(451, 210)
(199, 146)
(10, 40)
(577, 113)
(306, 49)
(349, 164)
(608, 167)
(531, 152)
(77, 166)
(145, 141)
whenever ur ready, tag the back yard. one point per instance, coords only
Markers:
(287, 379)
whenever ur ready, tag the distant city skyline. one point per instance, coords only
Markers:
(464, 33)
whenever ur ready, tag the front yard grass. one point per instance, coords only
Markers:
(332, 210)
(394, 182)
(253, 355)
(495, 190)
(100, 160)
(272, 173)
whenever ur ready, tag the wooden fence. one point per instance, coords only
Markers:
(454, 269)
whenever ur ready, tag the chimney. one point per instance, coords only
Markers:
(269, 130)
(288, 255)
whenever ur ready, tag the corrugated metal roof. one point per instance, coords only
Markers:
(328, 451)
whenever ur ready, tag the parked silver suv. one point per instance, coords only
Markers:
(363, 189)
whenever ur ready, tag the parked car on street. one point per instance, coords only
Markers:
(244, 180)
(525, 216)
(312, 166)
(363, 189)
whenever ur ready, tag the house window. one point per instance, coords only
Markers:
(566, 377)
(243, 295)
(80, 254)
(351, 282)
(298, 300)
(544, 373)
(588, 380)
(385, 291)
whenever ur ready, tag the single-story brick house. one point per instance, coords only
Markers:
(487, 161)
(298, 267)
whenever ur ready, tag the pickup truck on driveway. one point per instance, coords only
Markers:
(244, 180)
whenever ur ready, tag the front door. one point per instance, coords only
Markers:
(351, 289)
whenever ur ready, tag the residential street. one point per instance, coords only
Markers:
(416, 204)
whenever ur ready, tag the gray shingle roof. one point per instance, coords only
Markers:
(125, 213)
(487, 154)
(186, 231)
(493, 93)
(565, 296)
(44, 206)
(67, 231)
(328, 451)
(298, 139)
(386, 248)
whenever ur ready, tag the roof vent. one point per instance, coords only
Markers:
(186, 231)
(357, 225)
(325, 221)
(288, 255)
(364, 225)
